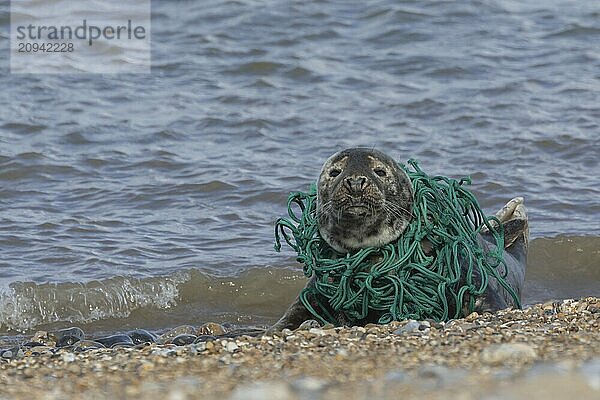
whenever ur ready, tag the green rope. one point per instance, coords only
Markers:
(399, 281)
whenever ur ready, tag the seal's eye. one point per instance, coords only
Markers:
(380, 172)
(334, 172)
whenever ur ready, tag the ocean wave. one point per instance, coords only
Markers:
(558, 268)
(27, 305)
(150, 302)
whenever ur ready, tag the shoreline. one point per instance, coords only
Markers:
(548, 350)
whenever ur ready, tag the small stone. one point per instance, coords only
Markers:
(69, 336)
(113, 340)
(374, 330)
(582, 306)
(211, 328)
(39, 336)
(13, 354)
(467, 326)
(164, 352)
(180, 330)
(199, 347)
(371, 337)
(551, 307)
(308, 324)
(424, 324)
(409, 327)
(231, 347)
(204, 338)
(437, 325)
(316, 331)
(140, 336)
(183, 340)
(498, 354)
(68, 357)
(472, 317)
(44, 338)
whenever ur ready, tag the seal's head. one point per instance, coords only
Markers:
(364, 199)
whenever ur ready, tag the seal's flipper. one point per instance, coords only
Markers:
(516, 234)
(506, 212)
(293, 317)
(513, 217)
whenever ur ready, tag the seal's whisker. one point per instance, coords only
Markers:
(324, 209)
(398, 208)
(394, 213)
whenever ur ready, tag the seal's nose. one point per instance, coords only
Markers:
(356, 184)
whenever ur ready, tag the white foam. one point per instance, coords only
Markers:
(26, 305)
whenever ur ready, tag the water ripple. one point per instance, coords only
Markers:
(141, 176)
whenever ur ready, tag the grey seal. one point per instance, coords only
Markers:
(364, 198)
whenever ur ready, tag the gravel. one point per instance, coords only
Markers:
(547, 351)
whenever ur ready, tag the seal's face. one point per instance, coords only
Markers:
(363, 199)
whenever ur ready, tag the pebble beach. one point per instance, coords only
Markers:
(549, 351)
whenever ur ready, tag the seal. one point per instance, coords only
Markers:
(364, 199)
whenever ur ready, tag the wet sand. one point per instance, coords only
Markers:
(547, 351)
